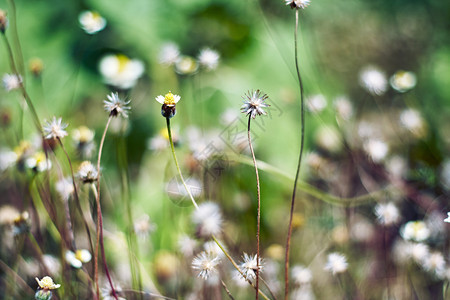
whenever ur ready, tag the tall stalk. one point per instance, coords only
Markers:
(302, 138)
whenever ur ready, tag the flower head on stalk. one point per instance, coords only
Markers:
(3, 21)
(254, 103)
(168, 102)
(46, 285)
(206, 264)
(116, 106)
(11, 82)
(87, 172)
(54, 129)
(298, 3)
(250, 265)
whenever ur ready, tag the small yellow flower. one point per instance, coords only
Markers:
(47, 283)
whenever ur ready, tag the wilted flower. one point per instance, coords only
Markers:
(373, 80)
(208, 219)
(116, 106)
(120, 71)
(186, 65)
(169, 54)
(316, 103)
(54, 129)
(78, 258)
(38, 162)
(403, 81)
(91, 22)
(209, 58)
(11, 82)
(87, 172)
(387, 213)
(169, 101)
(206, 263)
(298, 3)
(250, 265)
(336, 263)
(415, 231)
(448, 218)
(64, 187)
(301, 275)
(254, 104)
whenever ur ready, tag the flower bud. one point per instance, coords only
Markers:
(3, 21)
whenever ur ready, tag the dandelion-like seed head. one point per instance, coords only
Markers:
(54, 129)
(301, 275)
(116, 106)
(64, 187)
(298, 3)
(387, 213)
(254, 103)
(87, 172)
(336, 263)
(209, 59)
(169, 54)
(168, 101)
(250, 265)
(206, 264)
(11, 82)
(91, 22)
(47, 283)
(208, 219)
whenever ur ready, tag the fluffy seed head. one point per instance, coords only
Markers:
(336, 263)
(116, 106)
(208, 219)
(209, 59)
(387, 213)
(54, 129)
(87, 172)
(254, 103)
(250, 265)
(206, 264)
(298, 3)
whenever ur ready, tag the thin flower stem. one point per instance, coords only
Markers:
(302, 139)
(268, 288)
(226, 290)
(177, 165)
(196, 207)
(100, 222)
(258, 222)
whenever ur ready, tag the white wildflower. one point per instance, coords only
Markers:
(78, 258)
(301, 275)
(387, 213)
(250, 265)
(54, 129)
(336, 263)
(343, 107)
(116, 106)
(120, 71)
(169, 54)
(64, 187)
(376, 149)
(254, 103)
(316, 103)
(209, 59)
(373, 80)
(415, 231)
(403, 81)
(11, 82)
(91, 22)
(208, 219)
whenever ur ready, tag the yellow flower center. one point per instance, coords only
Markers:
(123, 62)
(169, 99)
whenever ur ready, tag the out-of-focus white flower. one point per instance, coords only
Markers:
(415, 231)
(336, 263)
(83, 138)
(186, 65)
(169, 54)
(7, 159)
(187, 245)
(38, 162)
(403, 81)
(176, 190)
(87, 172)
(405, 251)
(208, 219)
(107, 293)
(249, 266)
(209, 59)
(143, 226)
(448, 218)
(212, 248)
(301, 275)
(373, 80)
(445, 174)
(64, 187)
(11, 82)
(91, 22)
(78, 258)
(52, 264)
(54, 129)
(298, 3)
(361, 229)
(419, 252)
(329, 139)
(343, 107)
(412, 120)
(376, 149)
(206, 263)
(238, 279)
(316, 103)
(397, 166)
(387, 213)
(435, 263)
(120, 71)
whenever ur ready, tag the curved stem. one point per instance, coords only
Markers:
(100, 222)
(302, 138)
(258, 222)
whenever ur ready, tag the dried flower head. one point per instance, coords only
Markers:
(3, 21)
(206, 263)
(91, 22)
(336, 263)
(87, 172)
(209, 59)
(116, 106)
(250, 265)
(54, 129)
(47, 283)
(254, 103)
(11, 82)
(298, 3)
(168, 102)
(78, 258)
